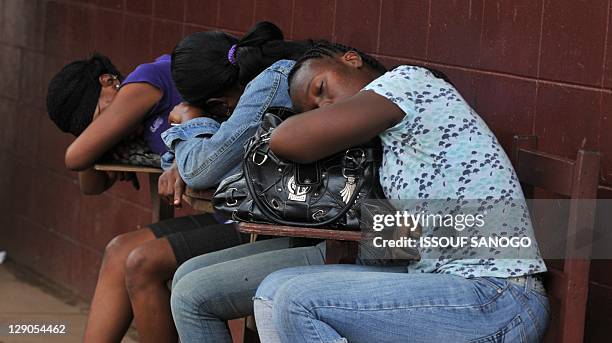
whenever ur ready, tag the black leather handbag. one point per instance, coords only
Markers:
(326, 193)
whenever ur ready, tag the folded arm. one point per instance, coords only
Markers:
(119, 119)
(207, 152)
(315, 134)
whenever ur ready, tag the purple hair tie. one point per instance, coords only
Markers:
(231, 53)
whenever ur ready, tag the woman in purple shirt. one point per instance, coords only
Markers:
(91, 100)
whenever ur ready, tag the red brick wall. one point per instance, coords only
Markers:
(528, 66)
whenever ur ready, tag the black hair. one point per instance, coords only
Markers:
(325, 48)
(74, 91)
(201, 68)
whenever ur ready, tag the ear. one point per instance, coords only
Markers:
(106, 80)
(353, 59)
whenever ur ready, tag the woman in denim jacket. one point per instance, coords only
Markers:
(233, 88)
(212, 288)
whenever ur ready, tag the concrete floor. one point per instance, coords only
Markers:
(27, 299)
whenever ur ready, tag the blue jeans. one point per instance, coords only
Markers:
(340, 303)
(210, 289)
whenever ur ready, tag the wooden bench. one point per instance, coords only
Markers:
(567, 280)
(340, 245)
(160, 209)
(199, 200)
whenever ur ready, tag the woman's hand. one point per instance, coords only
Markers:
(171, 186)
(184, 112)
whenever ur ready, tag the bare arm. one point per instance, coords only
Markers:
(92, 182)
(315, 134)
(118, 120)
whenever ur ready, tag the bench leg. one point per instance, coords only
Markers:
(161, 210)
(250, 330)
(243, 330)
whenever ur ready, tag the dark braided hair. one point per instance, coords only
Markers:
(201, 68)
(325, 48)
(73, 93)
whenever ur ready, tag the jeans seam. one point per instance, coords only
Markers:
(537, 296)
(199, 312)
(409, 307)
(308, 313)
(314, 328)
(526, 307)
(497, 287)
(522, 331)
(491, 301)
(503, 331)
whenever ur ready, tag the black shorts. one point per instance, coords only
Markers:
(192, 236)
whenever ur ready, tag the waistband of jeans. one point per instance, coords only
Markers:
(529, 282)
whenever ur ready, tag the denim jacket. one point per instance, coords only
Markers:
(205, 151)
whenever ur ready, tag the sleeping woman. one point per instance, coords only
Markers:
(435, 147)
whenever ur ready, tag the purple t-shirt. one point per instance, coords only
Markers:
(158, 75)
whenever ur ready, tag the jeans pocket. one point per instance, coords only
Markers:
(513, 332)
(489, 289)
(495, 283)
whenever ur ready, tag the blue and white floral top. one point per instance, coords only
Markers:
(442, 149)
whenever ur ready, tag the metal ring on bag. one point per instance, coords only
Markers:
(231, 191)
(318, 214)
(265, 158)
(353, 159)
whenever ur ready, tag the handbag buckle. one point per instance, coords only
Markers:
(263, 160)
(231, 196)
(265, 138)
(353, 161)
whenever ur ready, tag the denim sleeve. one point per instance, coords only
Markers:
(167, 159)
(204, 162)
(192, 129)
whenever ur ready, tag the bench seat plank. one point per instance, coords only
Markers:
(293, 231)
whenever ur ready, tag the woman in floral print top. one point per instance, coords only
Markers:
(438, 153)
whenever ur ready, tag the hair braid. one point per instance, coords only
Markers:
(325, 48)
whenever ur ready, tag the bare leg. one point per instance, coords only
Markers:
(110, 314)
(148, 269)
